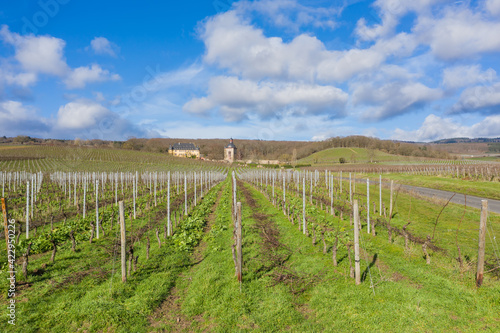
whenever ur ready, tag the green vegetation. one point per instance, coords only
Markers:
(349, 155)
(81, 291)
(483, 189)
(290, 282)
(494, 147)
(76, 158)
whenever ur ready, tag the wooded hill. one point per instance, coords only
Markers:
(252, 149)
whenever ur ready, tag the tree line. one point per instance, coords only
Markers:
(254, 150)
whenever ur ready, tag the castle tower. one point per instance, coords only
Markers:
(230, 151)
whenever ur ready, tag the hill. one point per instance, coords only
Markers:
(285, 151)
(349, 155)
(467, 140)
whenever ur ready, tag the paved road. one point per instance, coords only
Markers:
(472, 201)
(459, 198)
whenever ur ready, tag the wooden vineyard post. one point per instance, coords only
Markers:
(304, 227)
(482, 237)
(5, 222)
(134, 187)
(357, 270)
(169, 221)
(368, 203)
(97, 207)
(340, 182)
(28, 210)
(380, 195)
(332, 212)
(350, 188)
(390, 200)
(7, 239)
(238, 242)
(185, 195)
(123, 241)
(84, 195)
(284, 193)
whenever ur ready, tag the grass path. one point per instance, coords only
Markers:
(82, 290)
(168, 316)
(409, 296)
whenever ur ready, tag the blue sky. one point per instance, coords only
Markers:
(271, 70)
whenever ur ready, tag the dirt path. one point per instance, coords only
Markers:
(275, 254)
(169, 312)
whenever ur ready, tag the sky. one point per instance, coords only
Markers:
(270, 70)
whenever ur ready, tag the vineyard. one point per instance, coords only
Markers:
(74, 158)
(114, 241)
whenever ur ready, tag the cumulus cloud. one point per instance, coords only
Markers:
(102, 46)
(493, 6)
(461, 76)
(390, 12)
(81, 114)
(16, 119)
(37, 54)
(484, 98)
(290, 14)
(436, 128)
(88, 119)
(80, 76)
(392, 99)
(21, 79)
(234, 44)
(459, 33)
(237, 98)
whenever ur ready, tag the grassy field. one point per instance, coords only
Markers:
(304, 292)
(188, 283)
(76, 158)
(483, 189)
(350, 155)
(82, 292)
(289, 284)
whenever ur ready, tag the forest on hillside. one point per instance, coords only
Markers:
(250, 149)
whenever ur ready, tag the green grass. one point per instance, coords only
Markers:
(351, 155)
(82, 291)
(487, 159)
(76, 158)
(483, 189)
(410, 296)
(407, 294)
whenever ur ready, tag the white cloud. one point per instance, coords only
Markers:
(390, 12)
(157, 80)
(234, 44)
(42, 54)
(493, 7)
(436, 128)
(199, 105)
(392, 99)
(238, 98)
(290, 14)
(101, 45)
(81, 114)
(461, 76)
(17, 119)
(479, 98)
(22, 79)
(458, 33)
(45, 55)
(80, 76)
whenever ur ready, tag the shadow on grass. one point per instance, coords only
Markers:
(367, 270)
